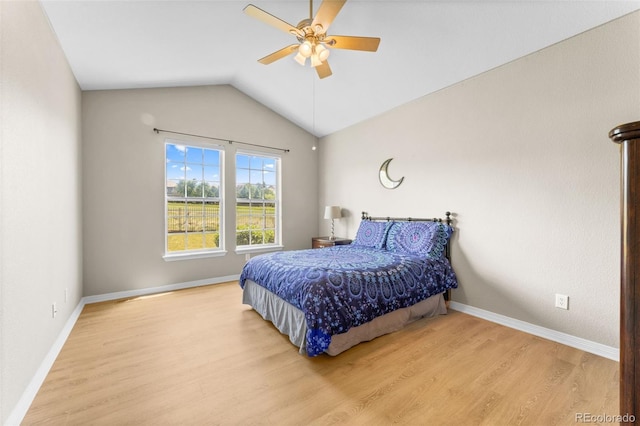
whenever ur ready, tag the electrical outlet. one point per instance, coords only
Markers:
(54, 310)
(562, 301)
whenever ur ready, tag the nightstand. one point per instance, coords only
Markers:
(321, 242)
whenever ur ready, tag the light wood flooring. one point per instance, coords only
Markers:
(200, 357)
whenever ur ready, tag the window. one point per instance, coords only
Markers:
(193, 198)
(257, 200)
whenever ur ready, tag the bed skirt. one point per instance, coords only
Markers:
(290, 320)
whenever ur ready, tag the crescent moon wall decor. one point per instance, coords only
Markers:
(385, 180)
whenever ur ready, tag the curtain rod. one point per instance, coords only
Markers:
(218, 139)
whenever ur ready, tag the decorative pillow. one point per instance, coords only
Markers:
(372, 234)
(420, 238)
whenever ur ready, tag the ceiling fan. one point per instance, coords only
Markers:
(313, 41)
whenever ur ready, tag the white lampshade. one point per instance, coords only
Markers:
(332, 212)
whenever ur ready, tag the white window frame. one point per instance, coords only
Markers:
(201, 252)
(277, 244)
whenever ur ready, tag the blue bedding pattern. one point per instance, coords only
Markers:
(346, 286)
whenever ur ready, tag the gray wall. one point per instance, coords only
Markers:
(521, 155)
(123, 180)
(40, 222)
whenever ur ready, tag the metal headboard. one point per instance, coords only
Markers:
(447, 219)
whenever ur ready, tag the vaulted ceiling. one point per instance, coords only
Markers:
(426, 46)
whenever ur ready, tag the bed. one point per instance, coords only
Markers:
(396, 270)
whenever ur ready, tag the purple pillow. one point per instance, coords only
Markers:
(372, 234)
(420, 238)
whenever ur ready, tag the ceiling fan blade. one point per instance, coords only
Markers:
(269, 19)
(285, 51)
(324, 70)
(327, 12)
(369, 44)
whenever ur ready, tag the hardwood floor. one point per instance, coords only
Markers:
(199, 356)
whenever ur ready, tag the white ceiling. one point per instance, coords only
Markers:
(426, 46)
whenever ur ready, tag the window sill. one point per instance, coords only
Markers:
(189, 256)
(259, 249)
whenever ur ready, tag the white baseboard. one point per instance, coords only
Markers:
(546, 333)
(161, 289)
(19, 411)
(21, 408)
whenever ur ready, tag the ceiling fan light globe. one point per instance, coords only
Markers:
(305, 49)
(322, 52)
(315, 60)
(300, 59)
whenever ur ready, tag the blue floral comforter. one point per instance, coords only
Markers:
(346, 286)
